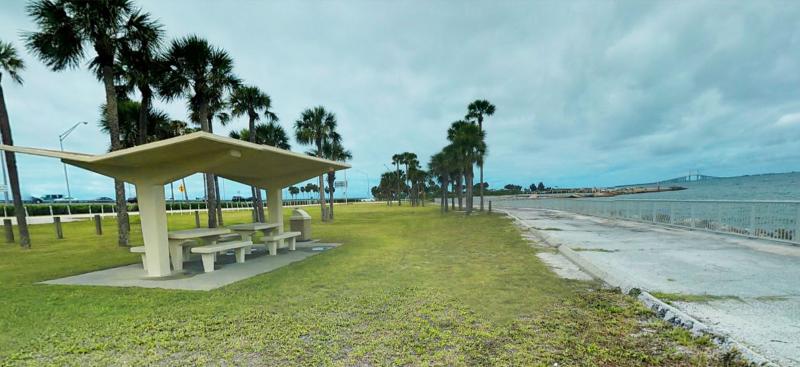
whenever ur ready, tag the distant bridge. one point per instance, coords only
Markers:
(691, 177)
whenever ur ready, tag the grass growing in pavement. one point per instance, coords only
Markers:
(700, 298)
(409, 287)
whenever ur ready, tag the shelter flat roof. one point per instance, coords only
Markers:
(167, 160)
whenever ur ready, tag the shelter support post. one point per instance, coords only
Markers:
(153, 215)
(275, 206)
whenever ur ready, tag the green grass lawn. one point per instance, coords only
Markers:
(409, 287)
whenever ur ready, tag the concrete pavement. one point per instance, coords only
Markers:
(748, 289)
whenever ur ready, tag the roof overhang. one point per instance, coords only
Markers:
(167, 160)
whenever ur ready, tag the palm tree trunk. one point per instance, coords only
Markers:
(444, 194)
(398, 183)
(407, 181)
(331, 181)
(480, 164)
(481, 183)
(123, 223)
(421, 193)
(322, 199)
(258, 205)
(469, 200)
(257, 201)
(443, 204)
(453, 198)
(13, 175)
(459, 191)
(211, 197)
(219, 207)
(321, 185)
(147, 97)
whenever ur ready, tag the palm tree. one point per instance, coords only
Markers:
(468, 141)
(294, 190)
(478, 110)
(335, 151)
(397, 159)
(454, 161)
(438, 167)
(142, 66)
(270, 134)
(198, 72)
(66, 29)
(160, 126)
(409, 159)
(11, 64)
(252, 101)
(315, 126)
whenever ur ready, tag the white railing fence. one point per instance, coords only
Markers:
(773, 220)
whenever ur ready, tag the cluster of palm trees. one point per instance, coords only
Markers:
(454, 165)
(128, 54)
(407, 180)
(317, 127)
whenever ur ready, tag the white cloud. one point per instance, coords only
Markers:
(788, 120)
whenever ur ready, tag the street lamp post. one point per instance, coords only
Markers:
(61, 144)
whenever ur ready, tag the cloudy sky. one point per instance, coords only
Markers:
(588, 93)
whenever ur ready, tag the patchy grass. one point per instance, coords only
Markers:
(409, 287)
(593, 249)
(772, 298)
(548, 229)
(698, 298)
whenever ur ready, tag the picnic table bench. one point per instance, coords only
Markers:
(209, 252)
(247, 230)
(180, 242)
(272, 241)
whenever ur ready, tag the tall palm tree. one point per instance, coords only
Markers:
(397, 159)
(417, 178)
(11, 64)
(268, 134)
(455, 165)
(252, 101)
(66, 29)
(478, 110)
(335, 151)
(468, 141)
(438, 167)
(141, 64)
(197, 71)
(216, 110)
(315, 126)
(409, 159)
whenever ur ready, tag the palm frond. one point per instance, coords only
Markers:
(10, 62)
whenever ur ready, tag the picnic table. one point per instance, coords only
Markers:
(247, 230)
(198, 236)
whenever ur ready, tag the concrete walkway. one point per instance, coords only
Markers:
(747, 289)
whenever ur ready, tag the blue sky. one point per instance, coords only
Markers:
(588, 93)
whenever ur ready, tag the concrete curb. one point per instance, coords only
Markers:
(663, 310)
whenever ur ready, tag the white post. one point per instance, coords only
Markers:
(275, 206)
(153, 217)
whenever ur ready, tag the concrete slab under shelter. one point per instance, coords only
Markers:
(227, 271)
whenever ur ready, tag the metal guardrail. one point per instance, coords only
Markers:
(772, 220)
